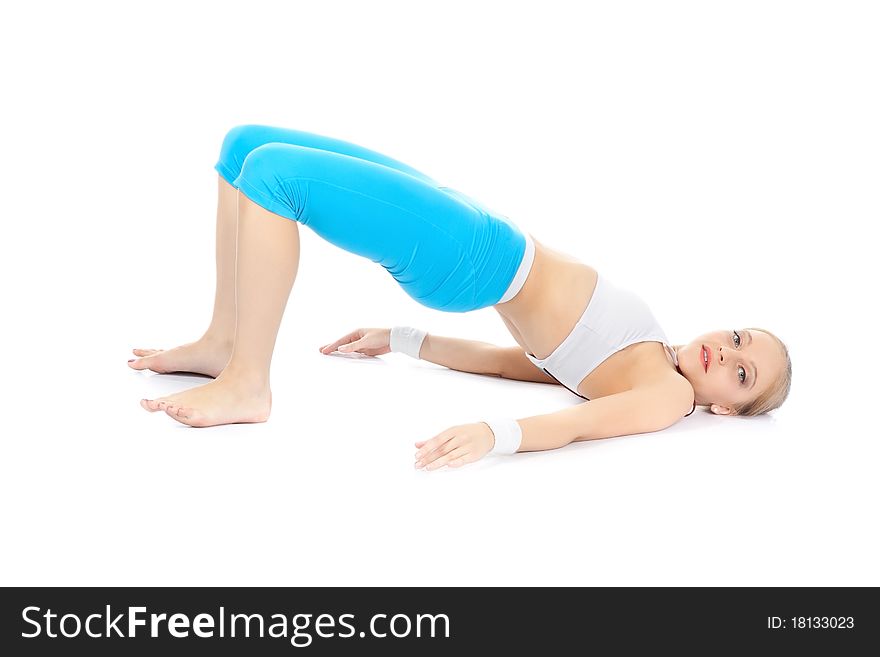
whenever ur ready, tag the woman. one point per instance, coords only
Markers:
(446, 250)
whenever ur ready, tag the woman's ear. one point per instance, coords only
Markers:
(718, 409)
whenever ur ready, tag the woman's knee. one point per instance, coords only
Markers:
(237, 144)
(269, 176)
(273, 161)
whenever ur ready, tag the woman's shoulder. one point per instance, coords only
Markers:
(677, 390)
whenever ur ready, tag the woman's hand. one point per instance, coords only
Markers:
(368, 341)
(456, 446)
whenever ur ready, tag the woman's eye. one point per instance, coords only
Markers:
(737, 341)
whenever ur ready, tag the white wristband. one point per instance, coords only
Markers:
(508, 435)
(407, 340)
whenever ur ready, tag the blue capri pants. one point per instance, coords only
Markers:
(446, 250)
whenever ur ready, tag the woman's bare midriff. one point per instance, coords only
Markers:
(546, 309)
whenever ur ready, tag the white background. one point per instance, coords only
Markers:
(720, 159)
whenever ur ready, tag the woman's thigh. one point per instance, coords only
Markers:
(242, 139)
(445, 250)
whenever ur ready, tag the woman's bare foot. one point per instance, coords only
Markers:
(222, 401)
(204, 356)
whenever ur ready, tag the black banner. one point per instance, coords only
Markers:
(427, 621)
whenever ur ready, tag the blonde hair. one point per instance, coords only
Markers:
(775, 394)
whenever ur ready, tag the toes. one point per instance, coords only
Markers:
(139, 364)
(154, 405)
(181, 413)
(153, 363)
(145, 352)
(173, 409)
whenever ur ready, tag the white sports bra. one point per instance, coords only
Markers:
(614, 319)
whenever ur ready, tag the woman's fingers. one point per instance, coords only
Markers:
(426, 446)
(452, 455)
(436, 448)
(333, 346)
(458, 445)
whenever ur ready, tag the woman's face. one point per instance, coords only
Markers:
(742, 364)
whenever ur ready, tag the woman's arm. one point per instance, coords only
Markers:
(514, 364)
(462, 355)
(641, 410)
(482, 358)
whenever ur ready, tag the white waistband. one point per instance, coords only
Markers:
(525, 266)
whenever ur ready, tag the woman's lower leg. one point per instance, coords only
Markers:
(267, 261)
(222, 326)
(266, 267)
(210, 353)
